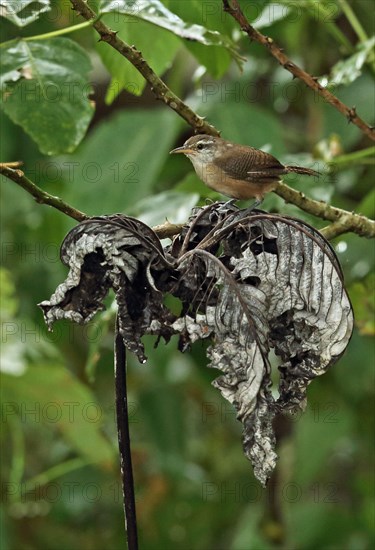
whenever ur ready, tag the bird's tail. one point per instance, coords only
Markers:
(302, 170)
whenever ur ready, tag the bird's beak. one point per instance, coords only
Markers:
(183, 149)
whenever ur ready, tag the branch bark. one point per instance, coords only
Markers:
(11, 171)
(233, 8)
(344, 221)
(158, 86)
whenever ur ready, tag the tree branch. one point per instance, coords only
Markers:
(344, 221)
(158, 86)
(12, 172)
(167, 229)
(233, 8)
(336, 228)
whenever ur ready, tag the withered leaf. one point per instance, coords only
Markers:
(106, 252)
(248, 281)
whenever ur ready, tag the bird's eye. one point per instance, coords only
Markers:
(200, 146)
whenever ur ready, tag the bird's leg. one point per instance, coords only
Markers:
(255, 205)
(224, 206)
(229, 203)
(247, 211)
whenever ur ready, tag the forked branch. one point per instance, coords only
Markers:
(234, 9)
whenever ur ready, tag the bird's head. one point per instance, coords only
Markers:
(202, 147)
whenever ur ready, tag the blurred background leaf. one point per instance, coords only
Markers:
(194, 487)
(45, 90)
(21, 14)
(64, 403)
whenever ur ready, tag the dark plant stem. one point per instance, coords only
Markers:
(124, 442)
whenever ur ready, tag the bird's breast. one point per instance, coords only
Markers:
(216, 178)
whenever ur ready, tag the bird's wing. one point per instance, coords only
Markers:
(250, 164)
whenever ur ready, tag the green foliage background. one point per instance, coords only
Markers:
(194, 487)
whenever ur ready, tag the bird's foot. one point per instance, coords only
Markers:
(254, 206)
(250, 209)
(231, 202)
(225, 207)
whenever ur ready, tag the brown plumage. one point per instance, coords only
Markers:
(238, 171)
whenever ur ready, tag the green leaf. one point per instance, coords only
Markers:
(155, 12)
(165, 429)
(360, 93)
(367, 205)
(245, 123)
(246, 530)
(45, 90)
(271, 14)
(362, 294)
(198, 13)
(215, 59)
(157, 46)
(118, 164)
(170, 205)
(348, 70)
(25, 12)
(327, 421)
(8, 297)
(61, 402)
(192, 184)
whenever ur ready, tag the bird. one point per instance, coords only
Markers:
(238, 171)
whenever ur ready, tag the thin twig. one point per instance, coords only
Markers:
(353, 20)
(124, 441)
(47, 35)
(336, 228)
(233, 8)
(9, 170)
(363, 156)
(168, 229)
(158, 86)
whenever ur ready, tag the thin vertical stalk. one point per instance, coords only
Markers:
(122, 417)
